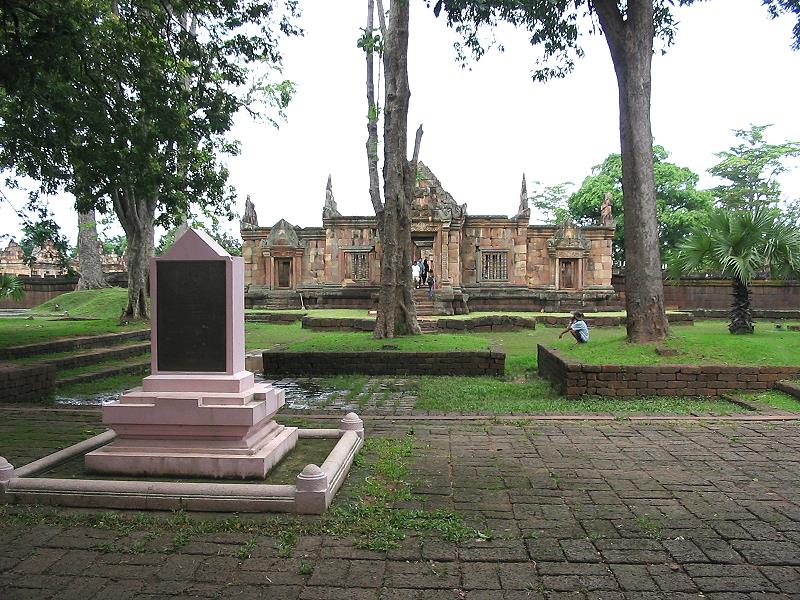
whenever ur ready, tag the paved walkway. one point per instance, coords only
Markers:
(607, 510)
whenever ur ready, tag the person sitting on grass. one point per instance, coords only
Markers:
(577, 327)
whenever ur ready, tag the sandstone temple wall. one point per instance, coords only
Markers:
(494, 259)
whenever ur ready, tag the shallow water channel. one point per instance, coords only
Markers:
(300, 395)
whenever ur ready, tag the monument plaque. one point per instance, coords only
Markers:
(200, 412)
(191, 315)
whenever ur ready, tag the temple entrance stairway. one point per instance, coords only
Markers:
(423, 302)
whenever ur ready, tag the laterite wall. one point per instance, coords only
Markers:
(26, 383)
(384, 362)
(574, 379)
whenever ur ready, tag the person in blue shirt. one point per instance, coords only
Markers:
(578, 328)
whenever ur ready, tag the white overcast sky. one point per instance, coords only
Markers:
(485, 126)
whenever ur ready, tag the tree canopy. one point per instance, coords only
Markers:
(126, 103)
(679, 204)
(752, 169)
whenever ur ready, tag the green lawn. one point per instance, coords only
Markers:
(493, 396)
(293, 337)
(707, 342)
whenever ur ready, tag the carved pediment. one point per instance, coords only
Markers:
(568, 240)
(431, 201)
(282, 234)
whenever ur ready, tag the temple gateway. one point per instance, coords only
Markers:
(481, 262)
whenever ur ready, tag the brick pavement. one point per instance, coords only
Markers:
(611, 510)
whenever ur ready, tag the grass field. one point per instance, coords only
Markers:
(707, 342)
(493, 396)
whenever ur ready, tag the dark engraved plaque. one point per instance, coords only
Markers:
(191, 299)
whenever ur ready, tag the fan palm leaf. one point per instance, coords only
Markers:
(740, 245)
(10, 287)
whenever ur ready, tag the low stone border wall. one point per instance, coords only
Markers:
(26, 383)
(479, 323)
(93, 341)
(312, 493)
(574, 379)
(385, 362)
(270, 317)
(679, 318)
(719, 313)
(487, 323)
(338, 324)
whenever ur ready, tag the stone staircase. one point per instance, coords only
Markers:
(423, 303)
(281, 300)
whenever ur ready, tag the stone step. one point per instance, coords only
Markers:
(427, 326)
(68, 344)
(789, 387)
(99, 355)
(138, 366)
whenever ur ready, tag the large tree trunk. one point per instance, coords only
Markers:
(89, 261)
(630, 41)
(136, 216)
(397, 314)
(741, 314)
(372, 118)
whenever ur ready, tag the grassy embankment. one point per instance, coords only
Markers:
(103, 307)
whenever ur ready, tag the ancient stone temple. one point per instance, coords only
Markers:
(481, 262)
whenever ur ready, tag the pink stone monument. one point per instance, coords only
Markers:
(199, 413)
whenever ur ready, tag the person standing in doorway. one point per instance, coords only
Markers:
(425, 271)
(431, 283)
(415, 273)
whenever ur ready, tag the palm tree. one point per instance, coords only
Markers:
(740, 245)
(11, 287)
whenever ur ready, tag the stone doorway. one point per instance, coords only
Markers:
(423, 247)
(568, 276)
(283, 269)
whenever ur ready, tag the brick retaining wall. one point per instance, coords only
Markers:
(385, 362)
(26, 383)
(574, 379)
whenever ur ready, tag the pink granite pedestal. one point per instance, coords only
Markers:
(200, 413)
(163, 429)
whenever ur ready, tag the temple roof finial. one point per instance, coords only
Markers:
(250, 218)
(330, 210)
(524, 210)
